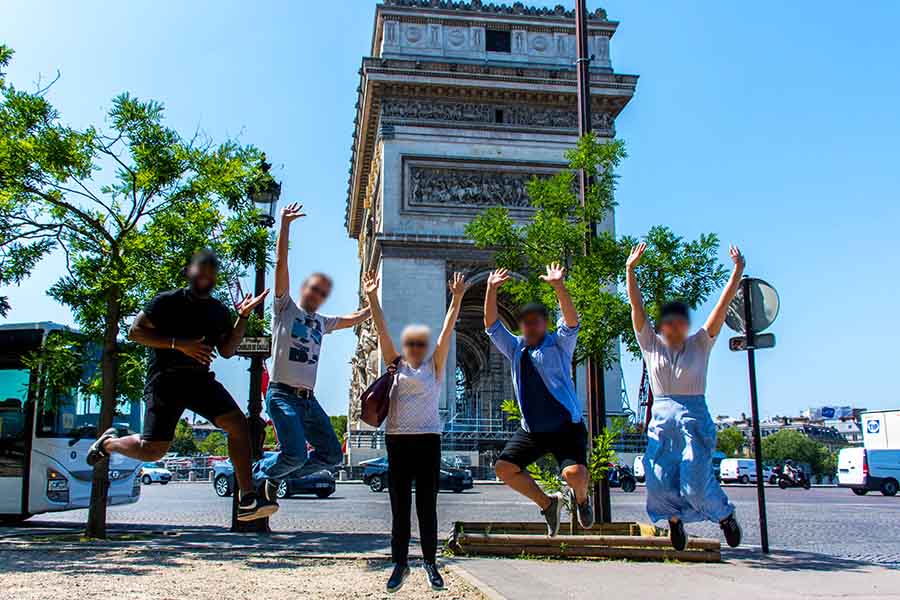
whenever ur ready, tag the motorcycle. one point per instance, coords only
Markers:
(798, 479)
(621, 476)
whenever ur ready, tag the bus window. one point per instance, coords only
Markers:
(13, 400)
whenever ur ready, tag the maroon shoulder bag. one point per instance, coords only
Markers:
(376, 399)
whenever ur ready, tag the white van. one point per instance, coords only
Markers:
(638, 468)
(740, 470)
(864, 470)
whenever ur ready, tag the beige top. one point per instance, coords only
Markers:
(414, 400)
(676, 372)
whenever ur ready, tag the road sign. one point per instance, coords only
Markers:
(764, 306)
(762, 340)
(255, 346)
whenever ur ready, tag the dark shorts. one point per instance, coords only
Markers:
(168, 395)
(568, 446)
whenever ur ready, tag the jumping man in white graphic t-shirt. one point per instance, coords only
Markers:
(297, 333)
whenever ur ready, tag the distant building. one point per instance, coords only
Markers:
(202, 430)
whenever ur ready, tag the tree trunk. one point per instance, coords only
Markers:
(96, 524)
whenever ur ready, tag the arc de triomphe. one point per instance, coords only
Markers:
(460, 104)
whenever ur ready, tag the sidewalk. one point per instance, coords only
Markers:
(743, 574)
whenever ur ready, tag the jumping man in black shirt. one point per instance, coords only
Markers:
(184, 328)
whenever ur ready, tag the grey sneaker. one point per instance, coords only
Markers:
(584, 511)
(552, 514)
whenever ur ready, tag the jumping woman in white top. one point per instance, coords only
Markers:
(681, 438)
(413, 429)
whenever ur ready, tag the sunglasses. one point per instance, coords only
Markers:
(415, 344)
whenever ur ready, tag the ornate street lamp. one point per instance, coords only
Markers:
(265, 193)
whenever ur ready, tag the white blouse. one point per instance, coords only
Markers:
(679, 372)
(414, 400)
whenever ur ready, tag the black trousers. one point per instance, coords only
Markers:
(415, 457)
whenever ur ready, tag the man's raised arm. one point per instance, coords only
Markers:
(289, 214)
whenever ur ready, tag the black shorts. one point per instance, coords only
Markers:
(168, 395)
(568, 446)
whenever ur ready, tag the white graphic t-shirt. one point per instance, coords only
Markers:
(296, 341)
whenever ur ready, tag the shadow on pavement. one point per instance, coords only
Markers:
(792, 561)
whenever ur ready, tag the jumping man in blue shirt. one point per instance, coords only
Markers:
(552, 416)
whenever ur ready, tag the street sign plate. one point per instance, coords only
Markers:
(255, 346)
(760, 340)
(764, 306)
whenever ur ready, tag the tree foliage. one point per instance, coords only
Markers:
(215, 444)
(126, 203)
(183, 442)
(672, 269)
(731, 441)
(790, 444)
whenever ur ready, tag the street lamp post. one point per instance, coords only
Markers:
(596, 400)
(265, 195)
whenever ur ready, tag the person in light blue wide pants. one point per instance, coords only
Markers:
(678, 466)
(681, 436)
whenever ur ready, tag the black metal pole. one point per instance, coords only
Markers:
(595, 390)
(254, 414)
(754, 413)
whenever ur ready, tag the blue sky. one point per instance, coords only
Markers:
(773, 124)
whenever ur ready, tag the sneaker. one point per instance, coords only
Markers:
(252, 507)
(732, 530)
(96, 453)
(401, 571)
(552, 514)
(677, 535)
(434, 578)
(585, 511)
(270, 491)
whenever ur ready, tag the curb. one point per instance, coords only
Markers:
(487, 591)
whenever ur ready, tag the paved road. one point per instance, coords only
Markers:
(824, 520)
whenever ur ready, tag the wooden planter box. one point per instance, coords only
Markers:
(633, 541)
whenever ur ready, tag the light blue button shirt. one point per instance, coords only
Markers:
(552, 360)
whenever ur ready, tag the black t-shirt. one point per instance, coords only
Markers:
(179, 314)
(541, 409)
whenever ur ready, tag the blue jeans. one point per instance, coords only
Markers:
(298, 420)
(678, 466)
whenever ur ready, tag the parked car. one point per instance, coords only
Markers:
(155, 472)
(375, 475)
(743, 470)
(864, 470)
(320, 484)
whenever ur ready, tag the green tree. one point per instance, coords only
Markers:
(674, 268)
(339, 423)
(798, 447)
(215, 444)
(126, 203)
(731, 441)
(183, 442)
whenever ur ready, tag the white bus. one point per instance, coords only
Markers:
(44, 441)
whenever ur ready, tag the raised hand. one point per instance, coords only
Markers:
(370, 283)
(556, 275)
(291, 213)
(735, 253)
(635, 256)
(246, 306)
(457, 285)
(497, 278)
(197, 350)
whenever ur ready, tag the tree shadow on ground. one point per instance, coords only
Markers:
(794, 561)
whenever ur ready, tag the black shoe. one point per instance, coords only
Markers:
(401, 571)
(552, 514)
(434, 578)
(270, 491)
(732, 530)
(96, 453)
(585, 511)
(252, 507)
(677, 535)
